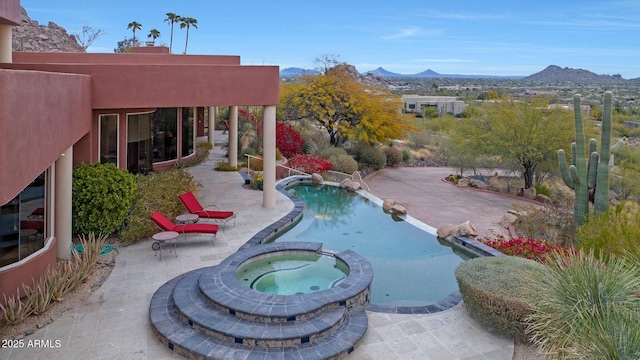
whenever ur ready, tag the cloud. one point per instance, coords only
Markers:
(443, 60)
(404, 33)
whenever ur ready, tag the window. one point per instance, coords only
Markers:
(109, 139)
(164, 126)
(22, 223)
(139, 143)
(188, 116)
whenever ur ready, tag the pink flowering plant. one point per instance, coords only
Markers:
(534, 249)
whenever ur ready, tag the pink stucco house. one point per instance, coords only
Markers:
(140, 111)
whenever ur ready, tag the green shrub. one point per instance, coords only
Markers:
(406, 156)
(157, 191)
(248, 151)
(369, 156)
(223, 165)
(496, 290)
(554, 224)
(394, 156)
(611, 233)
(586, 307)
(542, 189)
(344, 163)
(102, 197)
(332, 151)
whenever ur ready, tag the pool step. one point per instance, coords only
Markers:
(187, 324)
(194, 309)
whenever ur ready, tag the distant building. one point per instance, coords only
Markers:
(586, 109)
(444, 104)
(632, 124)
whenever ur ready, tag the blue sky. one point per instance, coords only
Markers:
(493, 37)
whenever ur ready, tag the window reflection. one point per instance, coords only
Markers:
(22, 223)
(164, 125)
(109, 139)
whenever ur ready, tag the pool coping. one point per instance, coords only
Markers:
(283, 224)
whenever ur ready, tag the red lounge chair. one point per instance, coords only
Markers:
(194, 207)
(167, 225)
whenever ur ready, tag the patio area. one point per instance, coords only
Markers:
(113, 323)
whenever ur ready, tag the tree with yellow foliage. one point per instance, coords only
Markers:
(346, 108)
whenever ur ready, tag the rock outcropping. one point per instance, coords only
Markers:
(33, 37)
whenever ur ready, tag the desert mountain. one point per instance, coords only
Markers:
(33, 37)
(554, 74)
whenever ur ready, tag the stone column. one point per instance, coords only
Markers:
(213, 116)
(269, 143)
(233, 135)
(5, 44)
(63, 206)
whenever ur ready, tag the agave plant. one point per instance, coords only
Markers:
(15, 311)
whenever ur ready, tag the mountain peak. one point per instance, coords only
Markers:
(556, 74)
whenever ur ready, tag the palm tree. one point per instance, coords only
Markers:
(172, 19)
(154, 34)
(135, 26)
(187, 22)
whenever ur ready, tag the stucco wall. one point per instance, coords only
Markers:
(12, 277)
(10, 12)
(148, 85)
(41, 115)
(130, 58)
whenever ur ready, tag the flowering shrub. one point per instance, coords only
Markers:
(310, 164)
(288, 140)
(533, 249)
(257, 179)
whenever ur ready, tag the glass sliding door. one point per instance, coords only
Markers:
(139, 143)
(109, 139)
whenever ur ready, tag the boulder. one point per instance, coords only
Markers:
(398, 209)
(343, 183)
(508, 219)
(464, 182)
(444, 231)
(498, 185)
(515, 191)
(478, 184)
(353, 186)
(316, 178)
(465, 229)
(387, 204)
(529, 193)
(543, 199)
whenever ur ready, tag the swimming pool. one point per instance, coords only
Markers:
(411, 266)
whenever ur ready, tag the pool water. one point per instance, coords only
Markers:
(411, 267)
(292, 274)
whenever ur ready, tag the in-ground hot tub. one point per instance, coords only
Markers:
(208, 313)
(293, 273)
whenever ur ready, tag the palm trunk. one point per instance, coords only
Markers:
(186, 41)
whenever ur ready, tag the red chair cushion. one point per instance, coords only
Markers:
(190, 202)
(162, 221)
(212, 214)
(197, 228)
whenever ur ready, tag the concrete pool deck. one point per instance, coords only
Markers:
(113, 322)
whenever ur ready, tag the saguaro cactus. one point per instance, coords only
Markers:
(592, 177)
